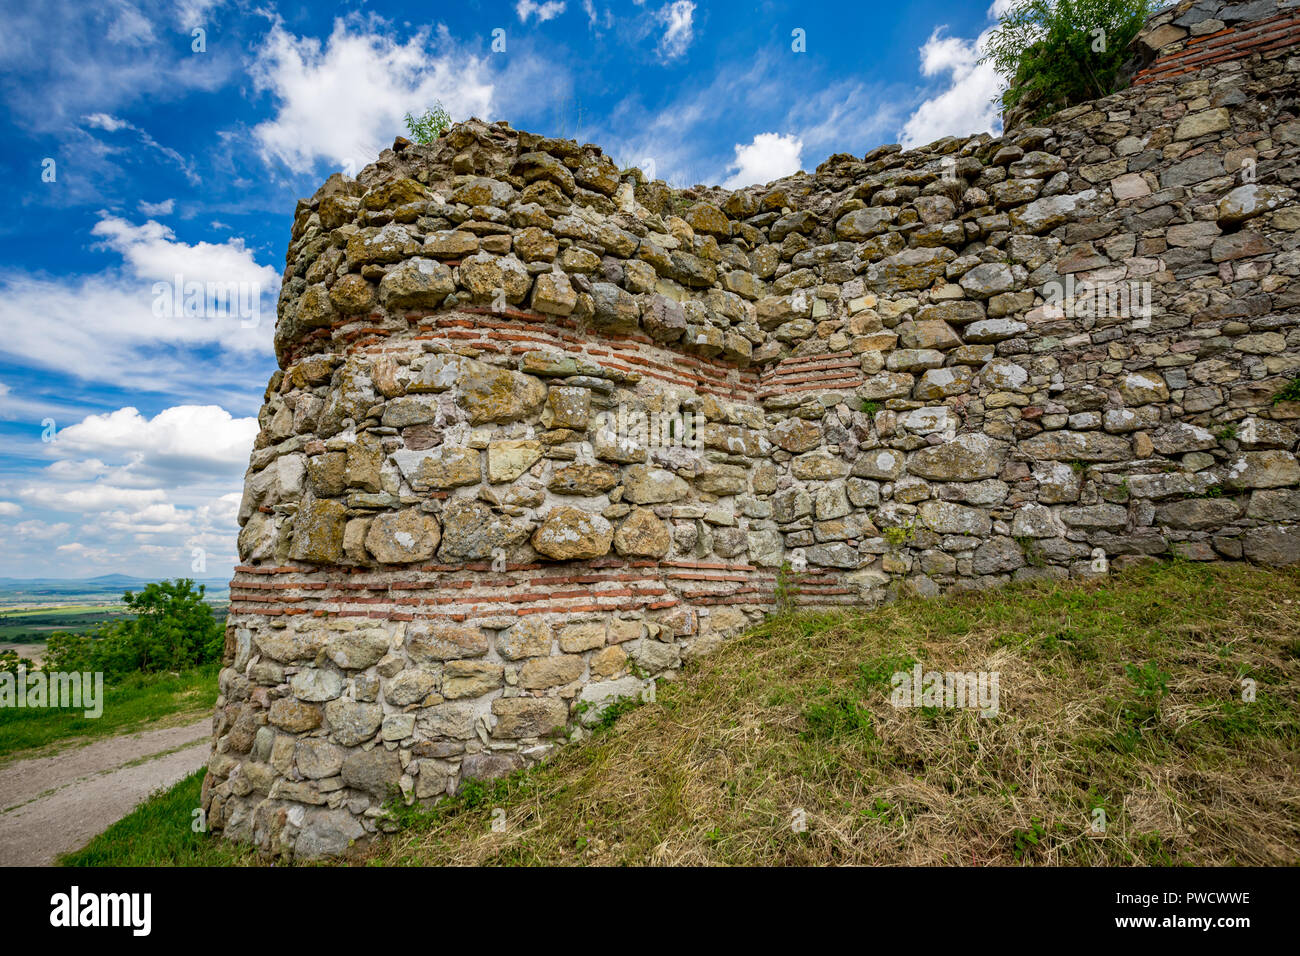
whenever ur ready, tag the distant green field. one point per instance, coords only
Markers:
(34, 626)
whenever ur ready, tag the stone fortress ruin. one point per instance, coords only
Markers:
(543, 432)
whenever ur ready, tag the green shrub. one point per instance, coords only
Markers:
(10, 662)
(429, 126)
(1056, 53)
(1290, 392)
(172, 629)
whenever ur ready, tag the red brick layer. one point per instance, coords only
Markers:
(473, 591)
(1266, 37)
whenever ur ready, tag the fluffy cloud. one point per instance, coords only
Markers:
(967, 105)
(548, 10)
(679, 28)
(126, 487)
(84, 470)
(770, 156)
(153, 253)
(130, 26)
(109, 326)
(198, 437)
(343, 100)
(110, 124)
(39, 530)
(191, 13)
(89, 498)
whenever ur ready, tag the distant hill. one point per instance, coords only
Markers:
(105, 587)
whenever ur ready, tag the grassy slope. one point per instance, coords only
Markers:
(130, 703)
(1122, 694)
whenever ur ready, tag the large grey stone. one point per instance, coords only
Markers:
(966, 457)
(326, 833)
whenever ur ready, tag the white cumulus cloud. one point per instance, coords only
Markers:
(191, 436)
(97, 497)
(132, 490)
(967, 105)
(769, 156)
(153, 252)
(109, 326)
(342, 100)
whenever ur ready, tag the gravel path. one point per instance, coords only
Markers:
(50, 805)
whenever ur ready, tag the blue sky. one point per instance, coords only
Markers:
(137, 150)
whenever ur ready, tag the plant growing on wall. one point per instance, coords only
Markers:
(1056, 53)
(429, 126)
(1290, 392)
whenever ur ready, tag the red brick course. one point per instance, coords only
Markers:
(1231, 43)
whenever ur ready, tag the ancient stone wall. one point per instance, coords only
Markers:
(543, 431)
(1197, 33)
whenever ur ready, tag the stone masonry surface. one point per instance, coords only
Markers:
(543, 431)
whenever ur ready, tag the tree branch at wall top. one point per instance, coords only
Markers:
(1057, 53)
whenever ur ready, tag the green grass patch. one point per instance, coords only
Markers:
(130, 703)
(160, 832)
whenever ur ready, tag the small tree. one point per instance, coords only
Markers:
(428, 127)
(173, 628)
(1056, 53)
(10, 662)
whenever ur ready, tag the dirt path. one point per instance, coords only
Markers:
(49, 805)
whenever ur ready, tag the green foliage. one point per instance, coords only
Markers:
(1226, 433)
(899, 535)
(787, 587)
(173, 629)
(1150, 684)
(1028, 842)
(610, 715)
(870, 407)
(10, 662)
(1029, 548)
(1056, 53)
(879, 672)
(471, 797)
(839, 716)
(884, 812)
(1290, 392)
(429, 126)
(844, 713)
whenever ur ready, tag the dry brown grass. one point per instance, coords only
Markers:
(795, 716)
